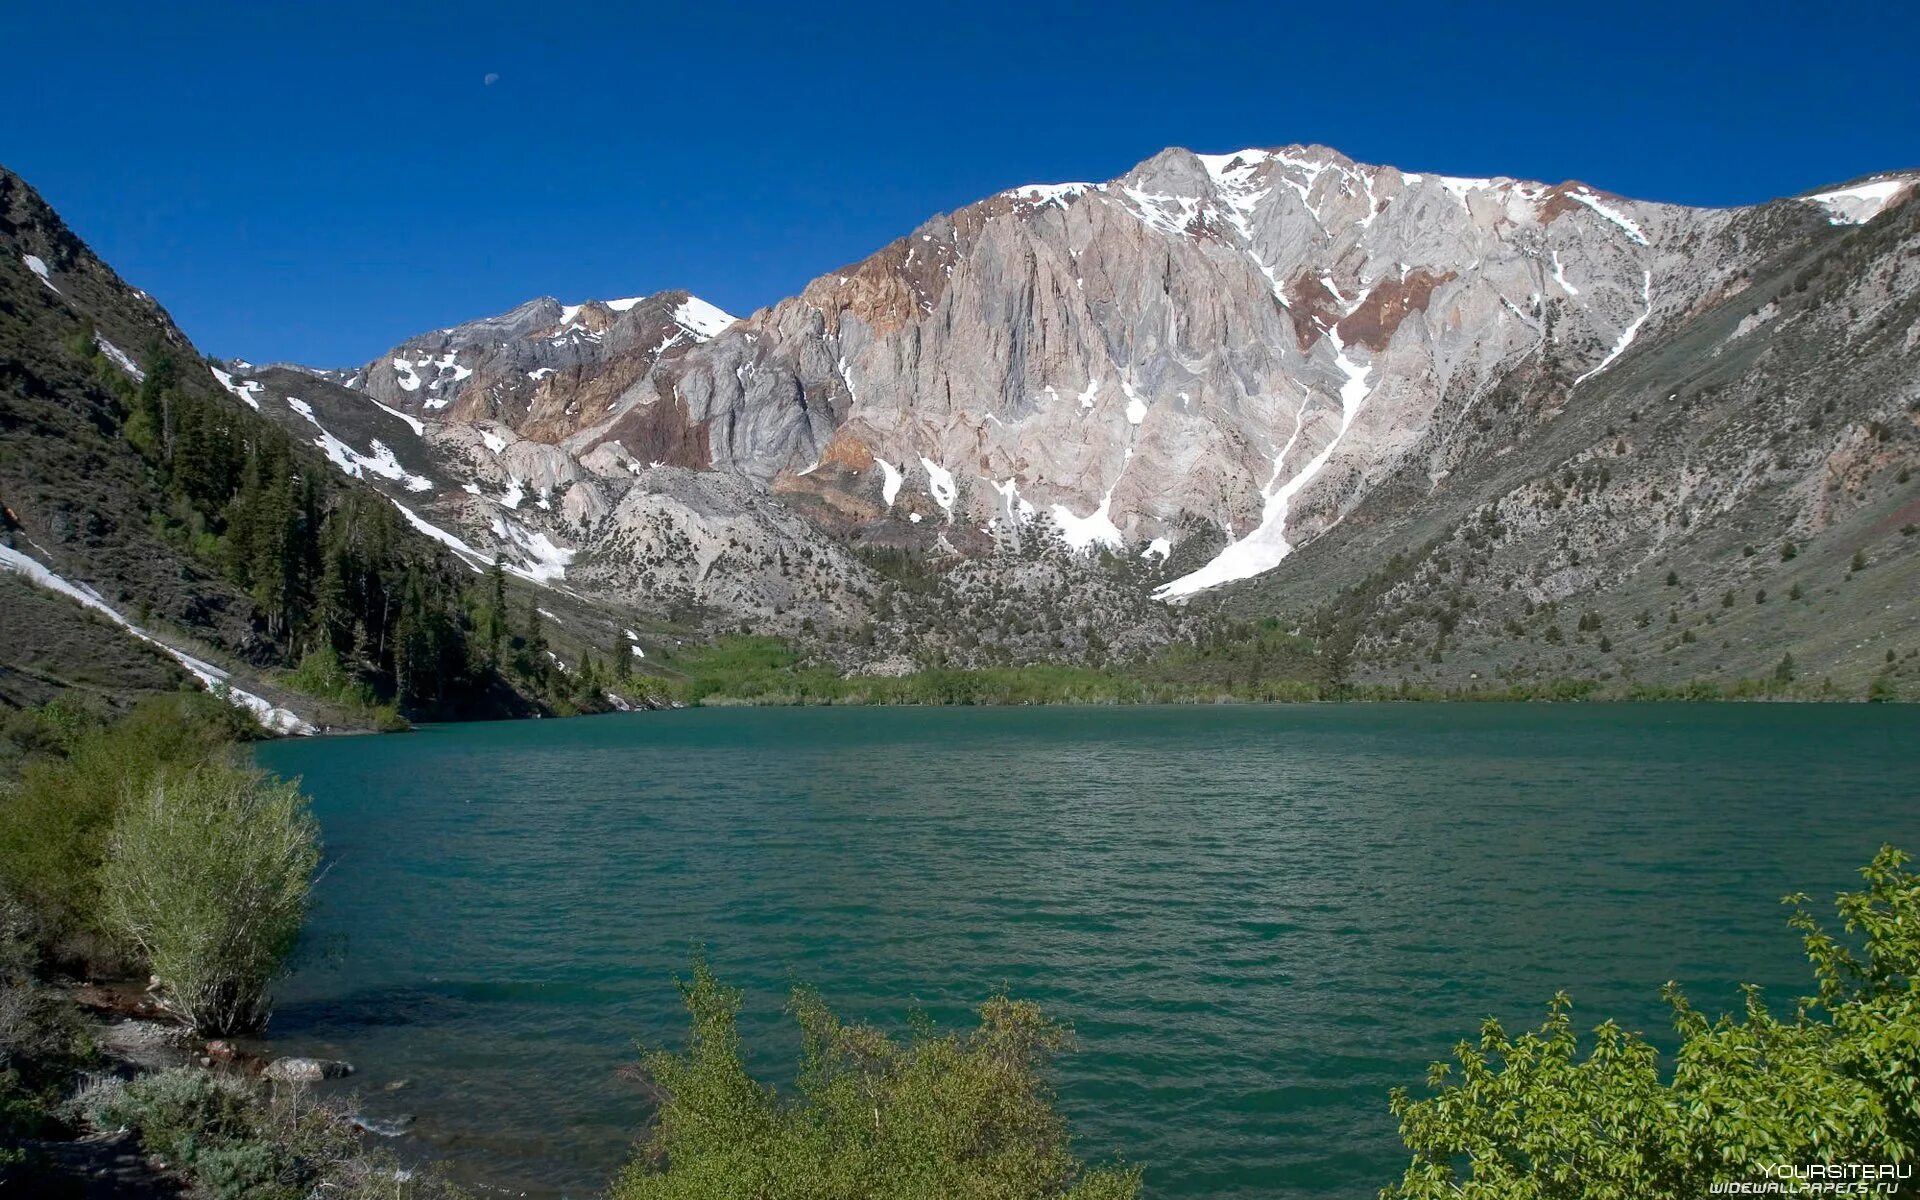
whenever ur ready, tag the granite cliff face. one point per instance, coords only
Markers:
(1246, 342)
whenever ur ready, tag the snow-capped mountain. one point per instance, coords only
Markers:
(1207, 364)
(545, 367)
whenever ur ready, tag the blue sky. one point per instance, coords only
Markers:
(316, 182)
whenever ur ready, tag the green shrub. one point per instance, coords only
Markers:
(255, 1170)
(208, 875)
(1528, 1117)
(180, 1112)
(41, 1041)
(236, 1141)
(54, 826)
(941, 1115)
(322, 674)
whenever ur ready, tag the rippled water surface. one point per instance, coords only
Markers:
(1258, 919)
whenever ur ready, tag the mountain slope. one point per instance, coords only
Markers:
(162, 520)
(1206, 366)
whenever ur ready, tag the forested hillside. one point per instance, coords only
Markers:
(129, 470)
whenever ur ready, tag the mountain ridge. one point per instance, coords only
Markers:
(1088, 400)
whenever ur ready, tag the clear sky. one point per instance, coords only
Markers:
(318, 181)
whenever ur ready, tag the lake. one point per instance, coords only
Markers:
(1258, 919)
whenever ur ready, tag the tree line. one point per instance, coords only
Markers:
(332, 570)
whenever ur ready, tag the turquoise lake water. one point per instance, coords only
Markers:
(1258, 919)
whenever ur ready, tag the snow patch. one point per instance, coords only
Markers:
(1858, 205)
(1610, 213)
(701, 319)
(940, 485)
(1265, 548)
(1168, 214)
(38, 266)
(248, 391)
(1560, 277)
(1461, 187)
(1096, 528)
(474, 558)
(1158, 547)
(413, 423)
(890, 485)
(1626, 335)
(441, 366)
(119, 358)
(380, 461)
(546, 561)
(211, 677)
(1019, 511)
(1049, 193)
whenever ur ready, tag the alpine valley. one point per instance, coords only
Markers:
(1226, 423)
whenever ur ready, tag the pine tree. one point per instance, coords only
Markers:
(332, 613)
(494, 623)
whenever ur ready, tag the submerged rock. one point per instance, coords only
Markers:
(387, 1127)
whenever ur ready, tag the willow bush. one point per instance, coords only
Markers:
(953, 1115)
(1531, 1118)
(207, 874)
(55, 824)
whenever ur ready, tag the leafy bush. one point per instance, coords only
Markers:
(952, 1115)
(1528, 1117)
(40, 1041)
(54, 826)
(208, 875)
(238, 1142)
(180, 1112)
(322, 674)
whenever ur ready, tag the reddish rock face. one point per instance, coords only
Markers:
(1313, 307)
(662, 432)
(1372, 323)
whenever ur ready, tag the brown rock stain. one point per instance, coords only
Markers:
(662, 432)
(1389, 303)
(1313, 308)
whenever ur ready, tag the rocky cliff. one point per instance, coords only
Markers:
(1204, 365)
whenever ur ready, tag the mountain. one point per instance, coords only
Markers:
(1217, 362)
(1445, 430)
(158, 530)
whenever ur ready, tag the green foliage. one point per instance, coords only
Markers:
(1871, 993)
(237, 1142)
(765, 670)
(180, 1114)
(207, 874)
(54, 826)
(41, 1041)
(939, 1115)
(326, 564)
(322, 674)
(1529, 1118)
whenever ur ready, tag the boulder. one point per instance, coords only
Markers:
(307, 1070)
